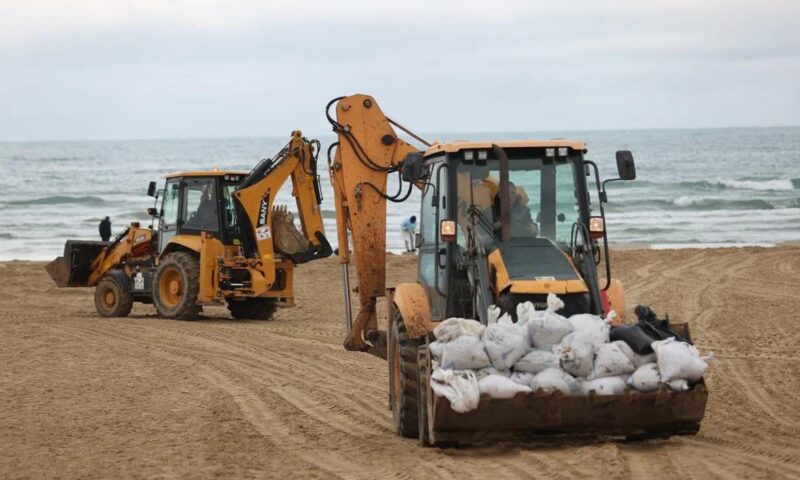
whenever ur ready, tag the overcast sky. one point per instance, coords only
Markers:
(96, 69)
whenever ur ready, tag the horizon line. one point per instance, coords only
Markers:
(430, 134)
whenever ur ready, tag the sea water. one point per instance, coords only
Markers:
(694, 187)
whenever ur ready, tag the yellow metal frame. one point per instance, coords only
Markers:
(502, 282)
(109, 259)
(360, 209)
(257, 201)
(411, 301)
(616, 300)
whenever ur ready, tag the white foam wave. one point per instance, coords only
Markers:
(687, 200)
(759, 184)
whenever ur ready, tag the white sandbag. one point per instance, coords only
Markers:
(492, 314)
(436, 348)
(527, 312)
(553, 379)
(453, 328)
(498, 386)
(535, 361)
(679, 360)
(576, 354)
(458, 386)
(522, 378)
(627, 350)
(639, 360)
(505, 319)
(485, 372)
(505, 343)
(678, 385)
(612, 360)
(465, 352)
(593, 328)
(547, 330)
(646, 378)
(605, 385)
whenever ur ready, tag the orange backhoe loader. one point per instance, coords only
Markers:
(219, 240)
(500, 223)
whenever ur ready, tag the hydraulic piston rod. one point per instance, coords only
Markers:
(348, 313)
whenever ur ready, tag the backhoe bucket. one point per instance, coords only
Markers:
(633, 414)
(74, 268)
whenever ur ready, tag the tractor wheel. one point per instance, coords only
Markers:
(252, 308)
(403, 379)
(423, 354)
(175, 286)
(112, 299)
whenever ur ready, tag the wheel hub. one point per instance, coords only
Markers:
(171, 287)
(108, 298)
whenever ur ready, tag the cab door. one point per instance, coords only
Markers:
(433, 253)
(170, 206)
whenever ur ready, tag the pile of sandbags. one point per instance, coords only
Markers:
(547, 352)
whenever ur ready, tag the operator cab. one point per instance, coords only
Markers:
(547, 245)
(196, 202)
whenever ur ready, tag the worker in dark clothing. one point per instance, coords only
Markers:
(105, 229)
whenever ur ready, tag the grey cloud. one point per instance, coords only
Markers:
(624, 69)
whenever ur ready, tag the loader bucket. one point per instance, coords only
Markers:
(633, 414)
(74, 268)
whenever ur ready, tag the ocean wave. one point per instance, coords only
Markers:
(692, 202)
(787, 184)
(645, 230)
(57, 200)
(7, 236)
(138, 215)
(762, 185)
(710, 203)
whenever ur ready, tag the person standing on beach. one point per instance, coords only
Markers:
(105, 229)
(407, 230)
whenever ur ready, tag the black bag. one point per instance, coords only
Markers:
(647, 330)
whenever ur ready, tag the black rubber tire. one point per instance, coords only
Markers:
(422, 397)
(187, 266)
(252, 308)
(403, 379)
(122, 298)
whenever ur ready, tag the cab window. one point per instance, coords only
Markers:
(200, 206)
(169, 207)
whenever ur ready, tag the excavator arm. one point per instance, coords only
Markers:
(264, 234)
(367, 153)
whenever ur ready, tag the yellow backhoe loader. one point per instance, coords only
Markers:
(500, 223)
(219, 239)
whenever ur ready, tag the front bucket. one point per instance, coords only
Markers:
(633, 414)
(75, 267)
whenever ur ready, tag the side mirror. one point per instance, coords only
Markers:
(151, 189)
(626, 169)
(152, 212)
(625, 165)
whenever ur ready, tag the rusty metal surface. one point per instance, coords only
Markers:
(286, 238)
(632, 413)
(58, 270)
(368, 148)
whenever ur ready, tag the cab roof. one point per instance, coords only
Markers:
(452, 147)
(206, 173)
